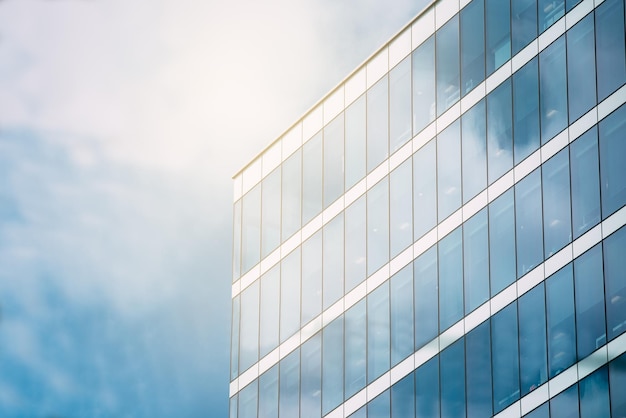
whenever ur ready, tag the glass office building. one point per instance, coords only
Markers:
(443, 233)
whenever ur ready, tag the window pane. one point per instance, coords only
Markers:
(249, 339)
(542, 412)
(291, 202)
(612, 167)
(355, 355)
(526, 110)
(610, 47)
(505, 359)
(251, 229)
(617, 384)
(581, 68)
(270, 227)
(400, 105)
(248, 401)
(289, 405)
(270, 297)
(553, 81)
(497, 14)
(478, 358)
(565, 404)
(234, 339)
(311, 178)
(561, 325)
(502, 242)
(476, 261)
(268, 393)
(355, 243)
(452, 363)
(333, 160)
(401, 315)
(237, 240)
(557, 221)
(378, 332)
(355, 142)
(378, 226)
(499, 131)
(401, 207)
(427, 389)
(450, 279)
(379, 406)
(332, 383)
(423, 85)
(474, 151)
(233, 406)
(594, 394)
(311, 277)
(614, 283)
(585, 177)
(448, 65)
(532, 339)
(311, 377)
(424, 189)
(426, 297)
(528, 222)
(472, 45)
(333, 260)
(290, 295)
(523, 23)
(377, 124)
(549, 12)
(403, 398)
(449, 170)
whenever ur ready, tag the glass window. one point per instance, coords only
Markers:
(423, 85)
(561, 321)
(617, 384)
(450, 279)
(553, 87)
(523, 23)
(612, 168)
(361, 413)
(378, 226)
(502, 242)
(472, 45)
(401, 207)
(333, 260)
(355, 142)
(291, 189)
(557, 223)
(448, 66)
(355, 243)
(251, 229)
(290, 295)
(377, 123)
(449, 170)
(233, 406)
(379, 406)
(355, 354)
(237, 240)
(332, 369)
(311, 377)
(528, 223)
(549, 12)
(234, 339)
(311, 178)
(542, 412)
(594, 394)
(589, 291)
(474, 151)
(401, 315)
(532, 339)
(426, 297)
(476, 260)
(378, 332)
(400, 105)
(270, 297)
(289, 398)
(311, 278)
(526, 110)
(565, 404)
(249, 338)
(452, 363)
(614, 283)
(499, 131)
(427, 389)
(478, 371)
(581, 68)
(403, 398)
(424, 189)
(268, 393)
(505, 358)
(270, 213)
(610, 47)
(585, 178)
(333, 160)
(570, 4)
(498, 28)
(248, 401)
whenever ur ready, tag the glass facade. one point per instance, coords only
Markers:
(450, 239)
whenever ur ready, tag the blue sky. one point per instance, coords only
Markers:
(121, 124)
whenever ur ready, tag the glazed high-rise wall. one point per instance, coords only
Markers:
(443, 234)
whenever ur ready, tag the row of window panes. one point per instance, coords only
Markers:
(548, 329)
(527, 110)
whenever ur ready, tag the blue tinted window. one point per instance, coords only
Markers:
(427, 389)
(553, 87)
(355, 142)
(234, 339)
(581, 68)
(289, 399)
(379, 406)
(474, 151)
(499, 131)
(472, 45)
(612, 167)
(426, 297)
(270, 213)
(400, 105)
(248, 401)
(268, 393)
(311, 277)
(361, 413)
(549, 12)
(557, 223)
(569, 4)
(476, 260)
(542, 412)
(311, 377)
(614, 283)
(617, 384)
(424, 85)
(594, 394)
(452, 364)
(526, 110)
(290, 295)
(291, 189)
(355, 251)
(237, 240)
(403, 398)
(333, 260)
(498, 33)
(505, 357)
(378, 226)
(450, 279)
(311, 178)
(528, 225)
(502, 242)
(589, 291)
(561, 321)
(332, 369)
(565, 404)
(610, 47)
(270, 299)
(251, 229)
(448, 77)
(449, 171)
(401, 208)
(478, 371)
(523, 23)
(425, 189)
(355, 353)
(249, 337)
(532, 339)
(233, 406)
(333, 161)
(585, 178)
(378, 332)
(401, 314)
(377, 123)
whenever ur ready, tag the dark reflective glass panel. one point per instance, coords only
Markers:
(426, 297)
(332, 367)
(612, 168)
(498, 28)
(533, 350)
(561, 321)
(478, 371)
(549, 12)
(311, 278)
(450, 279)
(565, 404)
(617, 385)
(355, 142)
(452, 369)
(585, 179)
(403, 398)
(427, 389)
(472, 45)
(401, 287)
(502, 242)
(378, 332)
(474, 151)
(333, 160)
(581, 68)
(425, 189)
(449, 171)
(401, 208)
(355, 348)
(379, 406)
(499, 131)
(505, 358)
(528, 224)
(557, 222)
(424, 109)
(593, 393)
(377, 123)
(542, 412)
(523, 23)
(553, 87)
(526, 110)
(476, 260)
(614, 283)
(400, 105)
(448, 65)
(311, 377)
(610, 47)
(311, 178)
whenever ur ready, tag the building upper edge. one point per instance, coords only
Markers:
(360, 67)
